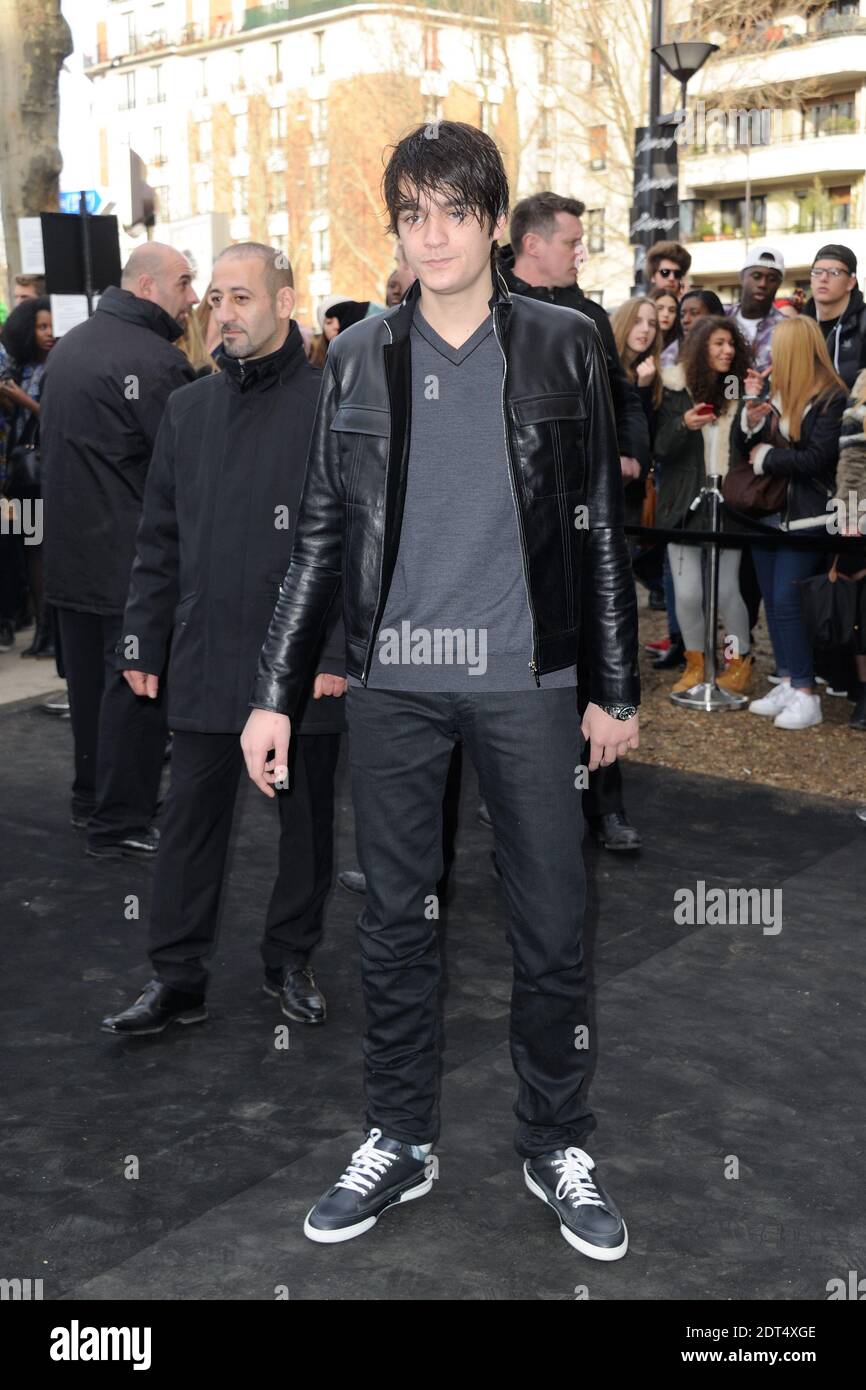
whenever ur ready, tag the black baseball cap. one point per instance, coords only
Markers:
(838, 253)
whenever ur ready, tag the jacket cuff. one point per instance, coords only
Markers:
(331, 666)
(758, 456)
(747, 429)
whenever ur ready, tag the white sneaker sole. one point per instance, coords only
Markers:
(349, 1232)
(595, 1252)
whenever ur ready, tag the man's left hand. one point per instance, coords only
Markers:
(328, 685)
(610, 738)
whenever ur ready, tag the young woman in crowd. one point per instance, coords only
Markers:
(693, 439)
(851, 492)
(668, 308)
(27, 338)
(636, 330)
(699, 304)
(795, 436)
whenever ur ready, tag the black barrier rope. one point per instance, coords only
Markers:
(763, 535)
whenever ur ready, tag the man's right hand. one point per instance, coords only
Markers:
(265, 731)
(140, 683)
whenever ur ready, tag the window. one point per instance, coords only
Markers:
(692, 218)
(733, 215)
(840, 207)
(241, 128)
(544, 65)
(205, 140)
(319, 121)
(156, 91)
(239, 81)
(157, 155)
(204, 196)
(279, 124)
(281, 243)
(239, 197)
(320, 185)
(596, 66)
(276, 60)
(432, 108)
(484, 110)
(598, 146)
(201, 85)
(319, 50)
(830, 118)
(129, 16)
(128, 103)
(431, 50)
(321, 250)
(486, 64)
(277, 196)
(544, 128)
(163, 206)
(595, 229)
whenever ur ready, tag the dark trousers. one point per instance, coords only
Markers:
(119, 737)
(194, 839)
(526, 747)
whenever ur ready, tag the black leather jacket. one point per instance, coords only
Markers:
(563, 461)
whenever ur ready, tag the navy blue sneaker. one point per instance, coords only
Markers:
(588, 1217)
(382, 1173)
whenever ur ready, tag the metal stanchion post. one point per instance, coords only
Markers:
(707, 695)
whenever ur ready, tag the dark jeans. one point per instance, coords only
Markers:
(194, 840)
(119, 737)
(778, 572)
(525, 746)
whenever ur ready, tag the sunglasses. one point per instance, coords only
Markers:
(667, 273)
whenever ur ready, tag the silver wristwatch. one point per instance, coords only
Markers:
(620, 711)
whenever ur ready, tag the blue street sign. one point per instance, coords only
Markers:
(69, 202)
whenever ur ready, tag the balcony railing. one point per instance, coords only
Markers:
(261, 15)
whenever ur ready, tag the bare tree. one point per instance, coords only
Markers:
(34, 40)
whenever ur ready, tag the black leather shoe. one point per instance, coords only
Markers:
(614, 832)
(300, 997)
(657, 600)
(858, 713)
(156, 1007)
(139, 845)
(674, 657)
(352, 880)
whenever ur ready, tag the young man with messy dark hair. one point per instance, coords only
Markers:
(464, 480)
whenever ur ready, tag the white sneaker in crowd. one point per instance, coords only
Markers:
(775, 702)
(801, 711)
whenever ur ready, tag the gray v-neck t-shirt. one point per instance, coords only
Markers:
(457, 614)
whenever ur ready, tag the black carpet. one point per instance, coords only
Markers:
(728, 1088)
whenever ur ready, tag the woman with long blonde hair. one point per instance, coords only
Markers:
(794, 436)
(639, 343)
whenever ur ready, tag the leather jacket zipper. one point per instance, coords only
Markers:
(533, 665)
(377, 614)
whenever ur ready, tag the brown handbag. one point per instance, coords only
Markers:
(648, 510)
(755, 494)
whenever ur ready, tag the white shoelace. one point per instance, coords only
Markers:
(575, 1181)
(368, 1165)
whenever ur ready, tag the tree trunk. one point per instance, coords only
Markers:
(34, 40)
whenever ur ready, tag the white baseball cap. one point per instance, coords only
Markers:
(766, 256)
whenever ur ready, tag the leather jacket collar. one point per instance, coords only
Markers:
(399, 319)
(252, 374)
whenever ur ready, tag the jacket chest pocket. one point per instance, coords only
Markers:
(363, 433)
(550, 440)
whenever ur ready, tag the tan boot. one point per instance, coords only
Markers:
(737, 677)
(693, 674)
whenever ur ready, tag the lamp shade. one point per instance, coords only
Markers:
(683, 60)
